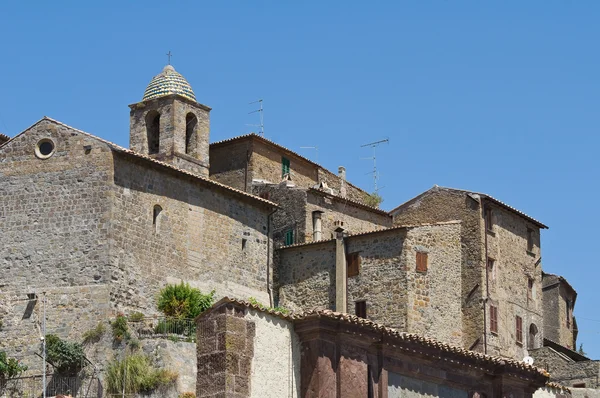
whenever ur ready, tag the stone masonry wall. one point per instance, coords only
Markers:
(395, 294)
(54, 213)
(552, 321)
(266, 165)
(439, 205)
(202, 236)
(333, 181)
(173, 110)
(564, 370)
(355, 219)
(228, 164)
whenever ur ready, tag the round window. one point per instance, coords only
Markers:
(44, 148)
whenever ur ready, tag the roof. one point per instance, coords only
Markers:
(168, 82)
(147, 158)
(574, 355)
(3, 138)
(396, 335)
(375, 231)
(482, 195)
(549, 280)
(281, 147)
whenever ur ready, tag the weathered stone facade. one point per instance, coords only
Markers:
(396, 294)
(559, 301)
(569, 370)
(500, 267)
(241, 161)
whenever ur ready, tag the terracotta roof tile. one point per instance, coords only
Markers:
(387, 331)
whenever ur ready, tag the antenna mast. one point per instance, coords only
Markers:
(374, 158)
(260, 110)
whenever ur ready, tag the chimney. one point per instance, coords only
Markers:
(341, 289)
(342, 177)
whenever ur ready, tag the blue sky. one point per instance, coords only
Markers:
(497, 97)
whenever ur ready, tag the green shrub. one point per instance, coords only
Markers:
(254, 301)
(10, 367)
(184, 301)
(66, 357)
(120, 331)
(136, 375)
(373, 200)
(94, 335)
(136, 317)
(134, 344)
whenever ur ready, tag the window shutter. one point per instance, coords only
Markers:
(353, 263)
(421, 262)
(289, 237)
(519, 329)
(493, 319)
(360, 309)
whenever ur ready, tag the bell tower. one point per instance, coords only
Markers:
(169, 125)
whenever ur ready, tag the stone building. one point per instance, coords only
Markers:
(101, 228)
(406, 277)
(246, 351)
(559, 303)
(501, 271)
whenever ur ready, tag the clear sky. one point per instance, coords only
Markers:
(498, 97)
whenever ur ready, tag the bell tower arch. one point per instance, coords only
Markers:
(170, 125)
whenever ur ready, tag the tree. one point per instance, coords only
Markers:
(183, 301)
(9, 367)
(373, 200)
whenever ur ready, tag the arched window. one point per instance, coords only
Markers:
(533, 331)
(156, 216)
(191, 122)
(152, 131)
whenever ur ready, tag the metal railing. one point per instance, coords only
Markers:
(164, 327)
(32, 386)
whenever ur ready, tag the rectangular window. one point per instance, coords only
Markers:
(353, 263)
(285, 166)
(489, 224)
(529, 239)
(289, 237)
(519, 330)
(421, 262)
(360, 309)
(494, 319)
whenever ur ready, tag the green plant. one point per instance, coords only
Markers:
(373, 200)
(66, 357)
(184, 301)
(136, 316)
(119, 327)
(94, 335)
(254, 301)
(10, 367)
(135, 374)
(134, 344)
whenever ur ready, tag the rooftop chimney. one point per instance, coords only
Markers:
(342, 176)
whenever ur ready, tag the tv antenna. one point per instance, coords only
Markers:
(260, 110)
(374, 145)
(316, 148)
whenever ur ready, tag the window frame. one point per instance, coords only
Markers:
(360, 306)
(285, 166)
(493, 319)
(519, 330)
(289, 237)
(352, 264)
(488, 219)
(422, 262)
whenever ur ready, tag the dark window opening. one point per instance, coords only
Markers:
(493, 319)
(579, 385)
(360, 309)
(421, 262)
(353, 264)
(489, 224)
(529, 289)
(46, 148)
(244, 241)
(529, 239)
(285, 166)
(191, 136)
(153, 131)
(289, 237)
(156, 217)
(519, 330)
(533, 330)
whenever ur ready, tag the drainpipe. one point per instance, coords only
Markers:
(269, 240)
(487, 280)
(340, 272)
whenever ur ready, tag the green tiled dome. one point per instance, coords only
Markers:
(168, 82)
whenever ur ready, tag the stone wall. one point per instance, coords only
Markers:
(555, 298)
(437, 205)
(506, 282)
(334, 181)
(202, 236)
(355, 218)
(565, 371)
(229, 164)
(396, 294)
(173, 110)
(54, 213)
(266, 165)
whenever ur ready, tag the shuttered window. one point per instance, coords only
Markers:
(421, 262)
(519, 329)
(285, 166)
(289, 237)
(353, 261)
(360, 309)
(493, 319)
